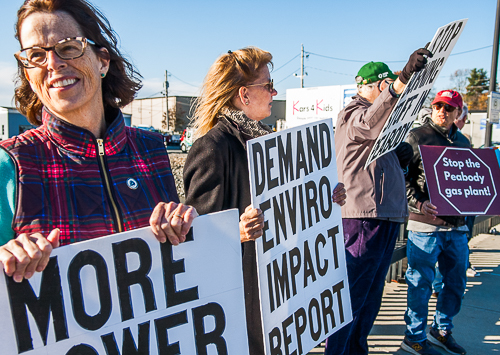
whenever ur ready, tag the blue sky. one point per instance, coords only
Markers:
(185, 37)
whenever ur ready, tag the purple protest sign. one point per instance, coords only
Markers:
(462, 181)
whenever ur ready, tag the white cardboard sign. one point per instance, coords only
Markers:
(129, 294)
(306, 105)
(303, 282)
(409, 104)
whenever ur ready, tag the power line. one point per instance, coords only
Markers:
(329, 71)
(274, 71)
(185, 82)
(389, 61)
(472, 50)
(286, 77)
(152, 96)
(341, 59)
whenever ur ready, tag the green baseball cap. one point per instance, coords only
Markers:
(372, 72)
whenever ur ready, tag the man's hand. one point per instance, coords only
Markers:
(428, 209)
(416, 63)
(339, 194)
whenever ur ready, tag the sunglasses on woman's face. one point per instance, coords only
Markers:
(448, 108)
(269, 85)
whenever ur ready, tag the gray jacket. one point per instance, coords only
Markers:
(378, 191)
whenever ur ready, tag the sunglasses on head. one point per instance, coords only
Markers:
(269, 85)
(448, 108)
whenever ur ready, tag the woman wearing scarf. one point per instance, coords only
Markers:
(236, 95)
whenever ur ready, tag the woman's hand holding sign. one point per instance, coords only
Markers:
(23, 256)
(172, 221)
(251, 224)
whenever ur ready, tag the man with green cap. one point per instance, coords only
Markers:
(377, 204)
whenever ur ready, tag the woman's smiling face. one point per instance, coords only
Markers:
(68, 88)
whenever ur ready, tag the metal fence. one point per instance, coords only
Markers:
(482, 224)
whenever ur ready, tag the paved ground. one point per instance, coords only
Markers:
(477, 326)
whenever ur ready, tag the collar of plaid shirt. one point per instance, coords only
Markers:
(79, 141)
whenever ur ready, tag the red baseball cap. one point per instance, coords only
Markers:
(451, 97)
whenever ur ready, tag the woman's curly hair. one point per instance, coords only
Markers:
(122, 80)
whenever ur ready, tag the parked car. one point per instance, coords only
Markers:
(187, 139)
(172, 138)
(146, 128)
(176, 139)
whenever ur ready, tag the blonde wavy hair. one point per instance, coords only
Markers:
(230, 71)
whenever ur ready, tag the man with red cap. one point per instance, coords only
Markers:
(432, 238)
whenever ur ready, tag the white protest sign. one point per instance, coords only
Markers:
(129, 294)
(307, 105)
(409, 104)
(303, 282)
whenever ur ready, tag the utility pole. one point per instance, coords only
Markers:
(166, 100)
(493, 76)
(302, 65)
(302, 73)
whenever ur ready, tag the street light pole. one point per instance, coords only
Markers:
(166, 99)
(493, 76)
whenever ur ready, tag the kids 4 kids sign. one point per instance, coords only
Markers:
(462, 181)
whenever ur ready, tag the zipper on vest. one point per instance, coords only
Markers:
(107, 185)
(382, 178)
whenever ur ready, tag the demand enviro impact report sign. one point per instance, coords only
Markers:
(462, 181)
(129, 294)
(413, 97)
(303, 282)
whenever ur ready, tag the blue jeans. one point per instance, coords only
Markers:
(423, 250)
(369, 244)
(437, 284)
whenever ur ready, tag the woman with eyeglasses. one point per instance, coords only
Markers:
(237, 95)
(81, 174)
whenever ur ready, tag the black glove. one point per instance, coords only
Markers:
(404, 151)
(416, 63)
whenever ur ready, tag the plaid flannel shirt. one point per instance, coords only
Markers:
(63, 183)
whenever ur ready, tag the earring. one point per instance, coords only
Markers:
(246, 103)
(103, 75)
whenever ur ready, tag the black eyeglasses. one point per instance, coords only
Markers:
(68, 48)
(269, 85)
(448, 108)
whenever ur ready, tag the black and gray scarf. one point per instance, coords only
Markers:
(245, 125)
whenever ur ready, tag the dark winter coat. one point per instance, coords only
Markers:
(216, 179)
(416, 187)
